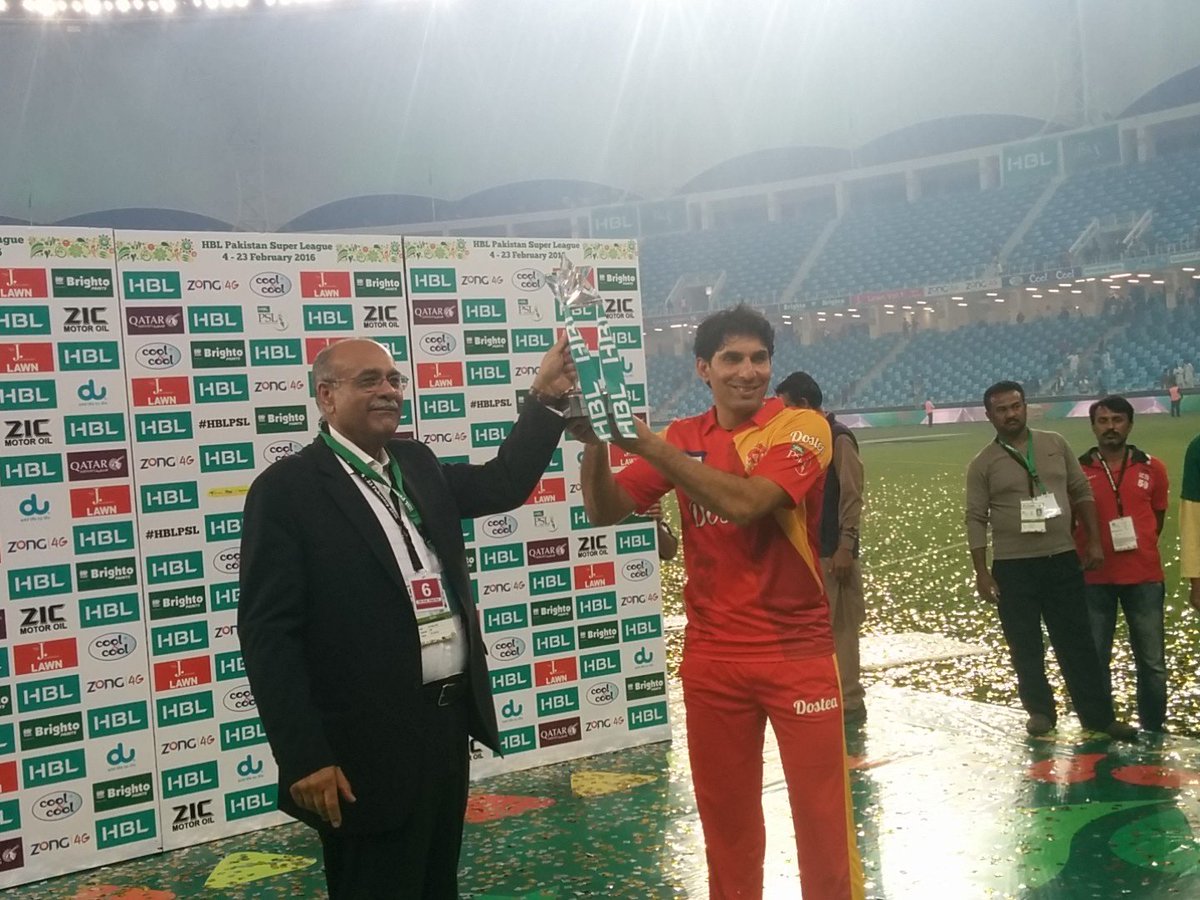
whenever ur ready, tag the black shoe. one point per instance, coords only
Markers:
(1121, 731)
(1039, 724)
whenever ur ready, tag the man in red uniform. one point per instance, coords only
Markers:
(748, 475)
(1130, 487)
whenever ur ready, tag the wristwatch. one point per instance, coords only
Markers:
(558, 404)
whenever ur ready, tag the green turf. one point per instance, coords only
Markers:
(918, 572)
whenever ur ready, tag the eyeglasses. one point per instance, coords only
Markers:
(372, 381)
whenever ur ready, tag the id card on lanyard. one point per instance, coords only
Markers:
(427, 591)
(1124, 538)
(1042, 505)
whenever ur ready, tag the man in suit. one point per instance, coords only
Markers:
(360, 638)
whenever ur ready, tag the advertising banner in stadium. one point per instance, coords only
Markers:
(572, 615)
(1050, 277)
(989, 283)
(78, 772)
(146, 378)
(1029, 162)
(1091, 149)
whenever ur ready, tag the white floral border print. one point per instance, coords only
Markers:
(390, 252)
(174, 251)
(451, 248)
(618, 250)
(99, 246)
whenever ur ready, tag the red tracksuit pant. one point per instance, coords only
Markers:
(728, 705)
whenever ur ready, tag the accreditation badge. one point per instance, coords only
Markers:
(1123, 536)
(431, 605)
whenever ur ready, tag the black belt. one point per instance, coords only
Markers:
(446, 692)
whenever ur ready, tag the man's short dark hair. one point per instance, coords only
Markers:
(1113, 403)
(1001, 387)
(800, 386)
(740, 321)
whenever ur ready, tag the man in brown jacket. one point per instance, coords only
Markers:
(1028, 486)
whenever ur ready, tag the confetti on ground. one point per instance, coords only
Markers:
(119, 892)
(243, 868)
(489, 807)
(887, 651)
(597, 784)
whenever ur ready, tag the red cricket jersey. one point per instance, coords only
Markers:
(753, 592)
(1143, 491)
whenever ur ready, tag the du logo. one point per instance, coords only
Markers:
(88, 391)
(512, 709)
(643, 657)
(249, 766)
(30, 506)
(118, 757)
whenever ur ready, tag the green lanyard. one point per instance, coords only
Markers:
(395, 487)
(1027, 463)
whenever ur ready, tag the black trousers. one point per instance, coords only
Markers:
(1051, 589)
(419, 859)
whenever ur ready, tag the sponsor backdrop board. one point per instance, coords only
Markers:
(571, 615)
(146, 378)
(78, 783)
(221, 331)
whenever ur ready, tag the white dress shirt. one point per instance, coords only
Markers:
(445, 658)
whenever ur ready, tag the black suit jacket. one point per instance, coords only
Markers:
(326, 626)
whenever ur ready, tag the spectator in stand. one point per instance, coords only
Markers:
(1176, 396)
(1131, 491)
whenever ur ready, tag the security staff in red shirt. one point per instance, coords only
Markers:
(1131, 490)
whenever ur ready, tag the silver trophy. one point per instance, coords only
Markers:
(569, 284)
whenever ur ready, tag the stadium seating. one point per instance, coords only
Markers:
(957, 366)
(1155, 340)
(1167, 185)
(938, 239)
(758, 260)
(836, 363)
